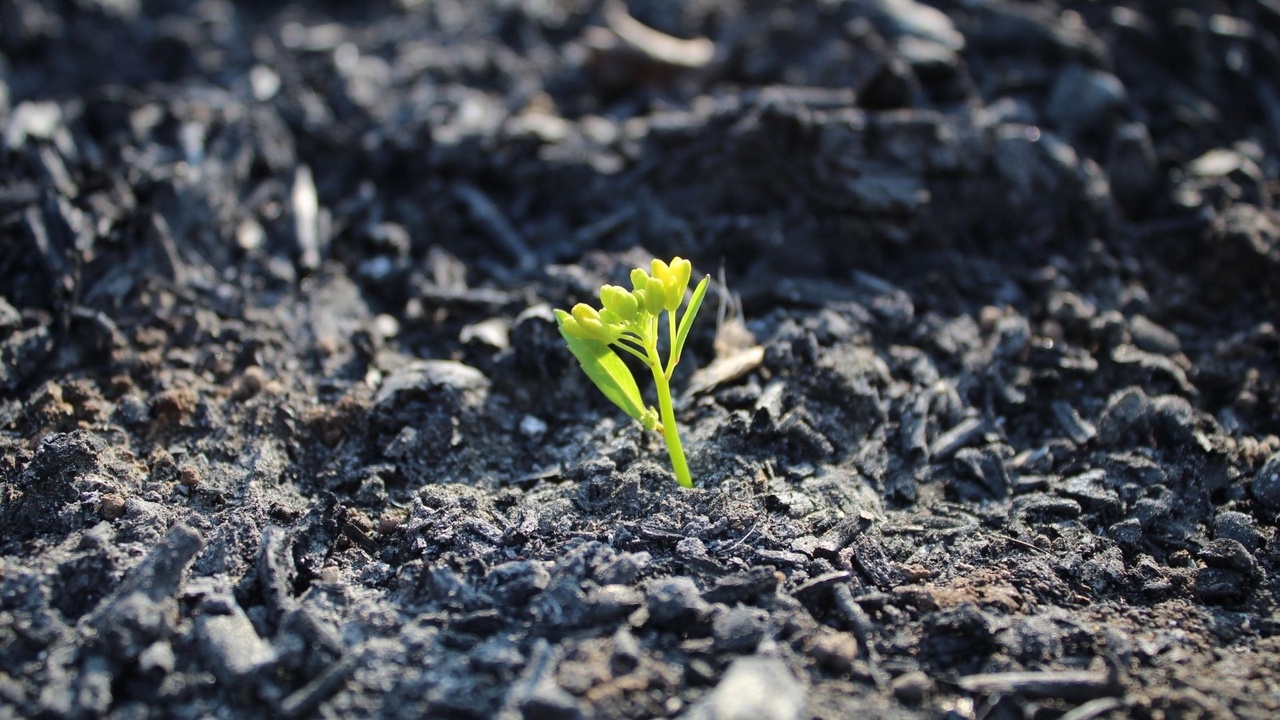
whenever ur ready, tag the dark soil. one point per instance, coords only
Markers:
(986, 427)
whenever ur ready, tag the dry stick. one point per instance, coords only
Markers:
(862, 630)
(1093, 709)
(1076, 685)
(493, 220)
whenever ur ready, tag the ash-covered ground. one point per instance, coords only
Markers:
(982, 410)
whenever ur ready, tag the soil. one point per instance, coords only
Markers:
(982, 409)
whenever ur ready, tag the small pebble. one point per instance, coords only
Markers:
(912, 687)
(834, 650)
(189, 476)
(1266, 484)
(250, 383)
(175, 404)
(111, 507)
(388, 524)
(532, 427)
(1232, 525)
(739, 629)
(675, 601)
(1229, 554)
(158, 657)
(754, 688)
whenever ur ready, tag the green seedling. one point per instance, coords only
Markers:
(630, 321)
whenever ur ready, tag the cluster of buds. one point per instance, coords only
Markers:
(623, 310)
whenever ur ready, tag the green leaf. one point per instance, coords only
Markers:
(608, 372)
(686, 322)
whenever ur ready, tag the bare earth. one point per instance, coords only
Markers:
(987, 426)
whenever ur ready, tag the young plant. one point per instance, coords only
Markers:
(630, 321)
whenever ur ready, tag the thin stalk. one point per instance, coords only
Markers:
(669, 431)
(634, 351)
(671, 339)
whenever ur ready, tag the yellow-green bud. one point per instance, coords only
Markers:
(571, 326)
(659, 269)
(620, 302)
(676, 282)
(638, 278)
(589, 322)
(655, 295)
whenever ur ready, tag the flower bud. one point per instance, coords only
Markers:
(620, 302)
(655, 295)
(638, 278)
(659, 270)
(571, 326)
(589, 322)
(676, 282)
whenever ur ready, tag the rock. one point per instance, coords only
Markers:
(427, 374)
(497, 654)
(623, 569)
(909, 18)
(961, 636)
(1131, 417)
(739, 629)
(744, 586)
(144, 609)
(834, 650)
(626, 652)
(675, 602)
(1077, 428)
(1014, 27)
(1232, 525)
(1154, 366)
(1156, 509)
(1127, 533)
(980, 474)
(1133, 167)
(549, 702)
(158, 658)
(912, 687)
(1242, 251)
(1091, 491)
(1083, 98)
(563, 604)
(753, 688)
(31, 119)
(1229, 554)
(536, 695)
(610, 603)
(1266, 484)
(515, 582)
(10, 318)
(48, 484)
(1039, 507)
(493, 333)
(1221, 586)
(232, 646)
(535, 342)
(1151, 337)
(886, 192)
(93, 690)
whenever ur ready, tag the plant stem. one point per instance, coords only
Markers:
(673, 351)
(669, 432)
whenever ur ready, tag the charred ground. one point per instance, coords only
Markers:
(286, 427)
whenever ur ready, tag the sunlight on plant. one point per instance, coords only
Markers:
(630, 321)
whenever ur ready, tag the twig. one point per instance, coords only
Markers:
(1064, 685)
(489, 216)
